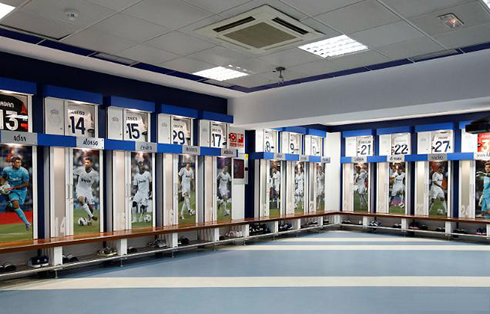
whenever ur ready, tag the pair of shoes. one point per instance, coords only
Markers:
(481, 231)
(132, 250)
(234, 234)
(69, 259)
(347, 222)
(460, 230)
(413, 225)
(285, 226)
(158, 243)
(183, 241)
(7, 268)
(375, 223)
(38, 261)
(326, 222)
(107, 252)
(397, 226)
(440, 229)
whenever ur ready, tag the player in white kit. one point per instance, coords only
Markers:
(320, 184)
(299, 180)
(187, 176)
(361, 186)
(437, 191)
(398, 189)
(142, 186)
(223, 178)
(87, 177)
(276, 184)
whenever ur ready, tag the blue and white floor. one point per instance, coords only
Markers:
(332, 272)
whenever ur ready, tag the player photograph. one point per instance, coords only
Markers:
(299, 187)
(16, 204)
(438, 181)
(320, 187)
(187, 189)
(13, 113)
(361, 187)
(224, 183)
(482, 189)
(86, 185)
(397, 188)
(141, 192)
(275, 189)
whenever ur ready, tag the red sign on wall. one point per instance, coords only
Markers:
(236, 139)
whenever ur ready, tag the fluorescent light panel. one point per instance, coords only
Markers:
(487, 2)
(5, 9)
(220, 74)
(334, 47)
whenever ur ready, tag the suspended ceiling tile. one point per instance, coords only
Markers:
(290, 57)
(255, 65)
(419, 7)
(131, 28)
(147, 54)
(220, 56)
(250, 81)
(465, 37)
(357, 17)
(278, 5)
(99, 41)
(387, 34)
(115, 5)
(31, 23)
(316, 7)
(216, 6)
(410, 48)
(88, 13)
(320, 27)
(288, 75)
(187, 65)
(471, 14)
(172, 14)
(179, 43)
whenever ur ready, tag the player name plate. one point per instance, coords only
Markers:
(396, 158)
(437, 157)
(326, 160)
(191, 150)
(482, 156)
(145, 147)
(279, 156)
(303, 158)
(90, 142)
(359, 159)
(228, 152)
(9, 137)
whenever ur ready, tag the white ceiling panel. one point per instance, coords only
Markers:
(169, 13)
(219, 83)
(288, 75)
(357, 17)
(220, 56)
(314, 68)
(413, 8)
(179, 43)
(255, 65)
(32, 23)
(187, 65)
(387, 34)
(281, 6)
(88, 13)
(316, 7)
(147, 54)
(290, 57)
(465, 37)
(131, 28)
(14, 3)
(99, 41)
(471, 14)
(322, 28)
(410, 48)
(216, 6)
(115, 5)
(250, 81)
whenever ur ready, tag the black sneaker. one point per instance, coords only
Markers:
(34, 262)
(1, 269)
(132, 250)
(184, 241)
(44, 260)
(440, 229)
(397, 226)
(8, 268)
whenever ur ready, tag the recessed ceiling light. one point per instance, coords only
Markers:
(333, 47)
(220, 74)
(451, 20)
(5, 9)
(487, 2)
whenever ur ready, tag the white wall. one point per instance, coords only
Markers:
(332, 172)
(437, 86)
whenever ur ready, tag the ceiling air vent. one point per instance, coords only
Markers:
(263, 29)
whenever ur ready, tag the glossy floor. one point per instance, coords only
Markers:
(332, 272)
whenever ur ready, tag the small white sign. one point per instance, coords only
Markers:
(279, 156)
(23, 138)
(303, 158)
(326, 160)
(90, 142)
(228, 152)
(145, 147)
(482, 156)
(396, 158)
(359, 159)
(191, 150)
(437, 157)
